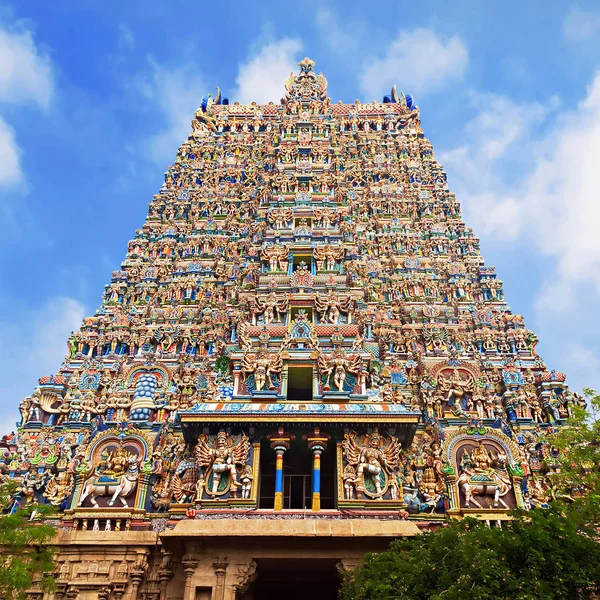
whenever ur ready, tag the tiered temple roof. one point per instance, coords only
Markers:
(304, 296)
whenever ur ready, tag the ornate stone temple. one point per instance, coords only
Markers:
(302, 357)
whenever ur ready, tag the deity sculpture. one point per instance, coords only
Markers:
(456, 386)
(264, 366)
(220, 459)
(375, 459)
(336, 367)
(116, 475)
(327, 257)
(272, 309)
(331, 307)
(484, 473)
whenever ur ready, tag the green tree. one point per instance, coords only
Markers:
(575, 465)
(25, 552)
(539, 555)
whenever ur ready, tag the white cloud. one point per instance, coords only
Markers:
(34, 347)
(25, 77)
(419, 61)
(527, 174)
(126, 37)
(177, 93)
(25, 72)
(559, 197)
(500, 131)
(10, 167)
(260, 79)
(581, 25)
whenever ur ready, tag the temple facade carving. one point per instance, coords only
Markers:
(304, 325)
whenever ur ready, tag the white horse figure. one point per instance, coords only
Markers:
(123, 486)
(496, 484)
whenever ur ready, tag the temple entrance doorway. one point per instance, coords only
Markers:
(294, 579)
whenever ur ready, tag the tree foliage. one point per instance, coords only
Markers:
(538, 555)
(575, 467)
(25, 553)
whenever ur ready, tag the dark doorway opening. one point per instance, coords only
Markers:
(294, 579)
(300, 381)
(328, 478)
(297, 476)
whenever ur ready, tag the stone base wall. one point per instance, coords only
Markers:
(205, 559)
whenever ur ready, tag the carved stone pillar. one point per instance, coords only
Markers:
(119, 589)
(104, 593)
(136, 575)
(72, 593)
(62, 580)
(165, 572)
(121, 580)
(220, 567)
(190, 564)
(61, 591)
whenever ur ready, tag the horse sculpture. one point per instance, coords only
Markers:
(120, 486)
(493, 481)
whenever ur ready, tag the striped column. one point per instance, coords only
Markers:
(317, 444)
(280, 442)
(278, 478)
(316, 478)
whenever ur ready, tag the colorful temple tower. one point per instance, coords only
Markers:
(302, 357)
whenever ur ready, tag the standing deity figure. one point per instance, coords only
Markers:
(375, 460)
(350, 481)
(263, 366)
(331, 307)
(337, 366)
(246, 480)
(280, 218)
(220, 460)
(277, 257)
(327, 257)
(273, 308)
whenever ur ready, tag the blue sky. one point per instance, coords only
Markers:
(95, 98)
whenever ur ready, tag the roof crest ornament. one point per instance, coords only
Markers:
(306, 86)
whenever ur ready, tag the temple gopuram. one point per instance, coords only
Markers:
(302, 357)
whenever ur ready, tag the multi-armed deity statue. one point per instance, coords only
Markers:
(303, 304)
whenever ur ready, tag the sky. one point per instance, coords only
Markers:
(96, 97)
